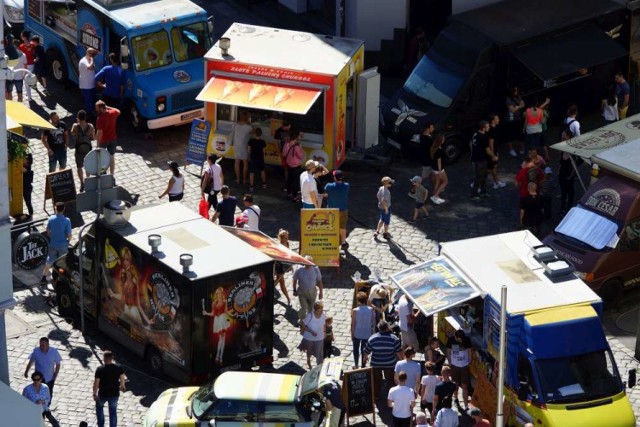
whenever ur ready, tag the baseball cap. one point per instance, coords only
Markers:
(387, 179)
(474, 412)
(311, 164)
(338, 174)
(416, 179)
(548, 170)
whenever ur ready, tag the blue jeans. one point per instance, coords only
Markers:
(308, 205)
(358, 351)
(60, 157)
(113, 411)
(89, 101)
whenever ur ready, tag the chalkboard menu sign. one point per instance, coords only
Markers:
(358, 392)
(60, 186)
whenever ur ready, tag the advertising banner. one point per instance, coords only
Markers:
(198, 139)
(268, 246)
(320, 236)
(435, 285)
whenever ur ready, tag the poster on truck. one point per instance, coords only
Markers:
(143, 300)
(236, 310)
(435, 285)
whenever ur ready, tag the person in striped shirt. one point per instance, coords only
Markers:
(385, 351)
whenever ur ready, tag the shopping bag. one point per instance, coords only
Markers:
(203, 208)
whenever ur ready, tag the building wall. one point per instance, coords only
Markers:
(374, 20)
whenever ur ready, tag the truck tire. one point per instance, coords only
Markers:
(57, 67)
(138, 122)
(452, 149)
(65, 300)
(611, 292)
(153, 357)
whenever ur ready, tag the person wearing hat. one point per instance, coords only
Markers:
(384, 206)
(308, 186)
(338, 198)
(476, 414)
(420, 194)
(175, 186)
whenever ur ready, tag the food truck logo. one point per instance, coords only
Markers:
(633, 124)
(89, 37)
(245, 297)
(163, 299)
(181, 76)
(31, 251)
(321, 221)
(606, 200)
(405, 113)
(597, 140)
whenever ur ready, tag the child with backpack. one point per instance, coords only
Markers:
(83, 133)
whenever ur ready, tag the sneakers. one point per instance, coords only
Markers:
(386, 235)
(475, 197)
(437, 200)
(513, 153)
(499, 184)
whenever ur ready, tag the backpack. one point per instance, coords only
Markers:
(83, 143)
(566, 129)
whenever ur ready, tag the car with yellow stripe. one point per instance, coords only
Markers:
(246, 399)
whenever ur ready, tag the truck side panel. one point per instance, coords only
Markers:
(233, 320)
(143, 302)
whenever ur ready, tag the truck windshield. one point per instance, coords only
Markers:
(151, 50)
(202, 400)
(190, 41)
(434, 83)
(589, 228)
(578, 378)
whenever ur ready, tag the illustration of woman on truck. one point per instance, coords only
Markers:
(220, 321)
(130, 293)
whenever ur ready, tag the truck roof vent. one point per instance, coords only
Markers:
(155, 240)
(186, 260)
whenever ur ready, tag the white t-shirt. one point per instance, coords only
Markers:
(307, 186)
(401, 396)
(574, 127)
(446, 417)
(404, 310)
(252, 214)
(429, 383)
(316, 325)
(215, 172)
(20, 64)
(86, 77)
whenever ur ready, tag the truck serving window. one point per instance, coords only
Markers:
(434, 83)
(190, 41)
(578, 378)
(151, 50)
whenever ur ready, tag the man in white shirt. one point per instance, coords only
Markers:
(86, 81)
(18, 76)
(308, 186)
(446, 417)
(251, 213)
(401, 400)
(572, 121)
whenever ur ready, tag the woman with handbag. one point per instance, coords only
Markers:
(312, 329)
(293, 156)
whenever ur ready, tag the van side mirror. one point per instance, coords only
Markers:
(124, 53)
(523, 391)
(210, 27)
(631, 381)
(212, 423)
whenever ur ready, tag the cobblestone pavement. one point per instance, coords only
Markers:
(142, 173)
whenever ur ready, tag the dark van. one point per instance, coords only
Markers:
(566, 50)
(601, 235)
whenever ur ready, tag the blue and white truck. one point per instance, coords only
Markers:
(160, 42)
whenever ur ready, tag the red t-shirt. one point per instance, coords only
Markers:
(522, 178)
(106, 122)
(483, 423)
(27, 49)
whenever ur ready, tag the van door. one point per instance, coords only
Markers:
(629, 254)
(476, 104)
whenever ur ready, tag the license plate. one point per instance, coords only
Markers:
(191, 115)
(394, 143)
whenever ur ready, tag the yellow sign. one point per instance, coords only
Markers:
(320, 236)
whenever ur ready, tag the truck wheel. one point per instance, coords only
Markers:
(611, 292)
(65, 300)
(57, 66)
(452, 148)
(138, 122)
(153, 357)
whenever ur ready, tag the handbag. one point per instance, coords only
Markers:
(203, 208)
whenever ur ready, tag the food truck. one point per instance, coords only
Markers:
(189, 297)
(559, 369)
(601, 234)
(161, 44)
(311, 81)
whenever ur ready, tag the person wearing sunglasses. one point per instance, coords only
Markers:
(38, 393)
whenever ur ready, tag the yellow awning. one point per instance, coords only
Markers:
(253, 94)
(21, 114)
